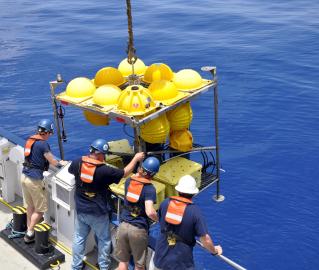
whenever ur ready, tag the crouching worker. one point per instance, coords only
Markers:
(140, 196)
(92, 178)
(180, 222)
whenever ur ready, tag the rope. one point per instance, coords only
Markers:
(131, 57)
(56, 265)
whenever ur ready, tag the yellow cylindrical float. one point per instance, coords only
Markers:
(135, 100)
(80, 87)
(187, 79)
(126, 68)
(108, 75)
(158, 71)
(156, 131)
(181, 117)
(96, 119)
(181, 140)
(106, 95)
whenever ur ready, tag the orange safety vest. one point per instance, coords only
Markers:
(30, 142)
(135, 188)
(88, 168)
(176, 209)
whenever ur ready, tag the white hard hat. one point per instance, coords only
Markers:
(187, 184)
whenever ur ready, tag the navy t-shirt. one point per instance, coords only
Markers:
(37, 159)
(148, 194)
(103, 177)
(181, 255)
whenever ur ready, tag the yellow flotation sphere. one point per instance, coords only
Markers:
(187, 79)
(135, 100)
(163, 90)
(108, 75)
(96, 119)
(181, 140)
(181, 117)
(156, 130)
(106, 95)
(126, 68)
(158, 71)
(80, 87)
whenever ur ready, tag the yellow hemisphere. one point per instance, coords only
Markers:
(181, 117)
(106, 95)
(135, 100)
(158, 71)
(126, 69)
(181, 140)
(96, 119)
(80, 87)
(187, 79)
(155, 131)
(163, 90)
(108, 75)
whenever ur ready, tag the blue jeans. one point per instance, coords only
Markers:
(101, 228)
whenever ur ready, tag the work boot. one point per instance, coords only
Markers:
(29, 239)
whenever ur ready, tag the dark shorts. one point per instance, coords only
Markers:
(131, 240)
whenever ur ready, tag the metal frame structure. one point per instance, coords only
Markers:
(137, 121)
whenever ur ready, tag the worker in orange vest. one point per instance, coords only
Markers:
(180, 222)
(92, 178)
(38, 157)
(140, 197)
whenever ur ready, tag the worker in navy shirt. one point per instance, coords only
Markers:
(92, 178)
(140, 197)
(180, 222)
(38, 157)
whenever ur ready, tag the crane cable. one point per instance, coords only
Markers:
(131, 56)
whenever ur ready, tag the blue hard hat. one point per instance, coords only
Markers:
(100, 145)
(151, 165)
(45, 125)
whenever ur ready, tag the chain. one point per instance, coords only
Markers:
(131, 57)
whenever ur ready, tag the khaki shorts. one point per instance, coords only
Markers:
(131, 240)
(34, 194)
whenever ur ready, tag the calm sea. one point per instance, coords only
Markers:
(267, 57)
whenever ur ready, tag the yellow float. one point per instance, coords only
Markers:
(106, 95)
(126, 68)
(156, 131)
(181, 140)
(80, 87)
(108, 75)
(165, 91)
(96, 119)
(135, 100)
(158, 71)
(187, 79)
(181, 117)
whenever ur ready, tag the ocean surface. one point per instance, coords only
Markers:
(266, 53)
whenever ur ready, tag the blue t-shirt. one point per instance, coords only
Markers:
(37, 159)
(180, 256)
(104, 176)
(148, 194)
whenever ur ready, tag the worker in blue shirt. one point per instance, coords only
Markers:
(140, 197)
(92, 178)
(180, 222)
(38, 157)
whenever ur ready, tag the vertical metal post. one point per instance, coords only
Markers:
(218, 197)
(53, 85)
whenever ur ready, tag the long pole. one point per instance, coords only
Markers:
(223, 258)
(56, 118)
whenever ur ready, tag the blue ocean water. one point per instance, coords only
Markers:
(267, 57)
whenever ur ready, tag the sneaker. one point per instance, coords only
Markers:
(28, 239)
